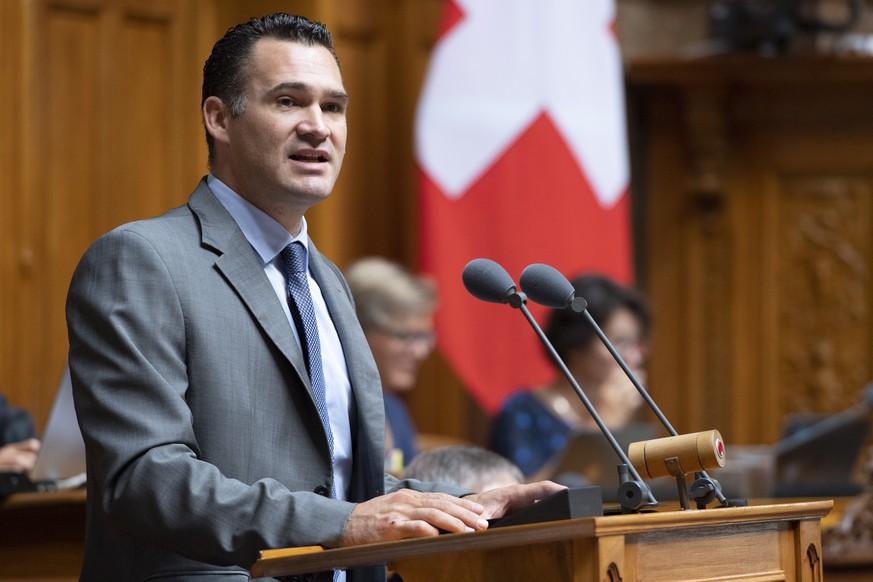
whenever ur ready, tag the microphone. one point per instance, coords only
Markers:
(488, 281)
(547, 286)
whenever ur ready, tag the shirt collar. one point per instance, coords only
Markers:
(263, 232)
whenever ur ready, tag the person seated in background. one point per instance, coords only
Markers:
(464, 466)
(395, 308)
(533, 426)
(18, 445)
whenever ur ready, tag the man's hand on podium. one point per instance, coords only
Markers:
(507, 500)
(413, 514)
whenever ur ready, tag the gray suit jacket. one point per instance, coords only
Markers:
(203, 442)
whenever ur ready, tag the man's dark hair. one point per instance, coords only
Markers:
(224, 73)
(568, 330)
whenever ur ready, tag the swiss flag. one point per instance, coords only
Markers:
(522, 154)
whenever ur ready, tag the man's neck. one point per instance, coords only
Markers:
(290, 219)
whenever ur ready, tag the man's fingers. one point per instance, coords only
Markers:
(407, 514)
(505, 500)
(436, 506)
(445, 500)
(426, 525)
(450, 520)
(442, 511)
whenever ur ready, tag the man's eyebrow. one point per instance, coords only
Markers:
(301, 86)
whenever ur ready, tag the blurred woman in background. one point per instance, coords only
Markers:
(18, 446)
(395, 308)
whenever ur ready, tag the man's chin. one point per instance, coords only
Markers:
(310, 193)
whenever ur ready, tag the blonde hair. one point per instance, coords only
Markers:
(384, 292)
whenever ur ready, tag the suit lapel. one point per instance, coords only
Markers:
(363, 375)
(238, 262)
(359, 360)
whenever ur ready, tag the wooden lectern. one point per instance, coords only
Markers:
(767, 543)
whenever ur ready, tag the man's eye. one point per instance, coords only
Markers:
(333, 108)
(285, 101)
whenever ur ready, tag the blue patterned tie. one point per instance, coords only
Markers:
(303, 314)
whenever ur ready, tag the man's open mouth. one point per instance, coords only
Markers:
(308, 158)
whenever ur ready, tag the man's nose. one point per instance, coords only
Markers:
(313, 123)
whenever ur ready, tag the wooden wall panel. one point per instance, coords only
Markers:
(808, 195)
(824, 251)
(669, 369)
(760, 207)
(12, 147)
(69, 177)
(106, 126)
(151, 124)
(138, 107)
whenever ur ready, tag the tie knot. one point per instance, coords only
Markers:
(294, 256)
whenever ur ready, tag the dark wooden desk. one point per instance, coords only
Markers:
(42, 536)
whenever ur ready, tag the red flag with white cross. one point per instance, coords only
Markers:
(521, 148)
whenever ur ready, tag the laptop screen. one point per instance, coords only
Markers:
(817, 459)
(62, 454)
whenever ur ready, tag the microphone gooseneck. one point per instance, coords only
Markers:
(488, 281)
(549, 287)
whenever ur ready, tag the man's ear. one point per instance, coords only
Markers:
(215, 118)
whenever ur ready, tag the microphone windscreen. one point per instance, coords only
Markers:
(488, 281)
(547, 286)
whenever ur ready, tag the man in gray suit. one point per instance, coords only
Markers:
(212, 431)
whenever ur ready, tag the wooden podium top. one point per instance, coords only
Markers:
(316, 559)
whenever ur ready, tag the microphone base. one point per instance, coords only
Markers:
(733, 503)
(570, 503)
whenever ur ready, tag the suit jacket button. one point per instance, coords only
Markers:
(323, 491)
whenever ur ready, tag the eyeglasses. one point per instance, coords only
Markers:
(427, 338)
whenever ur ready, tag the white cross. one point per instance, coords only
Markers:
(506, 62)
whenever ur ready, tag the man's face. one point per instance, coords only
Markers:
(285, 151)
